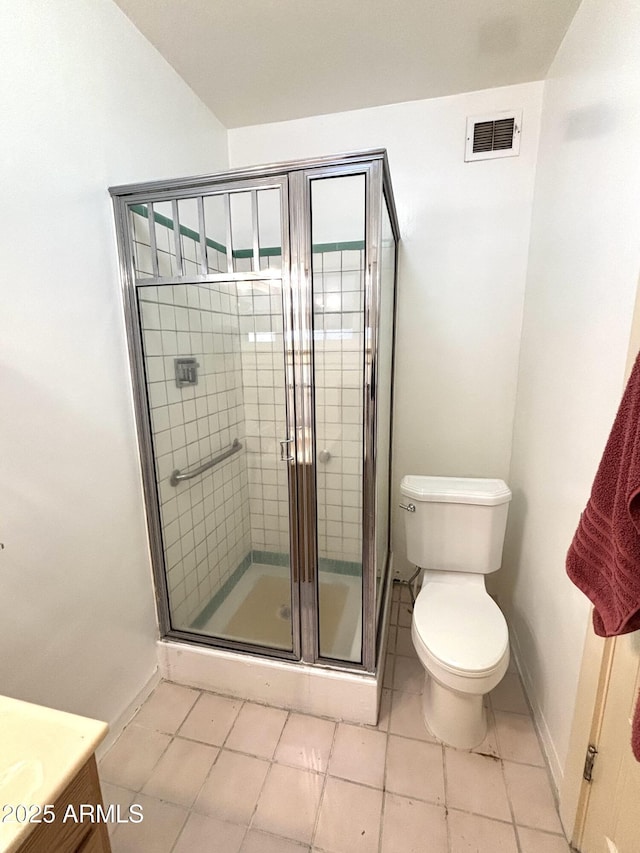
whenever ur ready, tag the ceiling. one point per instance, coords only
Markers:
(257, 61)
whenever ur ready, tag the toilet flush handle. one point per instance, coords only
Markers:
(408, 507)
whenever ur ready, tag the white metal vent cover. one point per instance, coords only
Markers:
(495, 135)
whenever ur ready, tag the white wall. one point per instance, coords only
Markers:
(465, 233)
(583, 271)
(85, 102)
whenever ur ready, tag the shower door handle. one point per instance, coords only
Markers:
(284, 456)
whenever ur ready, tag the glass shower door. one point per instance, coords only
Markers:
(217, 433)
(216, 346)
(338, 281)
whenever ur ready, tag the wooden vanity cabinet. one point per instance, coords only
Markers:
(71, 836)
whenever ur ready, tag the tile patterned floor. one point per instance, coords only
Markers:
(219, 775)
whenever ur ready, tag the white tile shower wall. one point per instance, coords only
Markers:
(252, 343)
(205, 522)
(263, 377)
(339, 344)
(216, 260)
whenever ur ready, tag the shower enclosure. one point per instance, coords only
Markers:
(260, 314)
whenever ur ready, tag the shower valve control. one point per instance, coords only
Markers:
(186, 371)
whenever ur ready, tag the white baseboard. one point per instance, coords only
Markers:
(118, 725)
(539, 720)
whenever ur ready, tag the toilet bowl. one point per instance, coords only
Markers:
(462, 641)
(455, 527)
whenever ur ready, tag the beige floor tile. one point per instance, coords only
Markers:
(415, 769)
(470, 833)
(489, 745)
(306, 742)
(131, 760)
(260, 842)
(406, 717)
(157, 831)
(167, 707)
(509, 695)
(121, 798)
(289, 803)
(392, 639)
(475, 784)
(384, 711)
(232, 788)
(115, 795)
(411, 826)
(349, 818)
(257, 730)
(181, 772)
(359, 755)
(409, 675)
(404, 643)
(393, 614)
(405, 614)
(530, 794)
(532, 841)
(211, 719)
(517, 738)
(203, 834)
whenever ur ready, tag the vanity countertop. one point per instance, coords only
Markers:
(41, 751)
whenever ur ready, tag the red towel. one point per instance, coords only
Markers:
(604, 557)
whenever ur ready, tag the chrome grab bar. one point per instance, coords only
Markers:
(178, 476)
(408, 507)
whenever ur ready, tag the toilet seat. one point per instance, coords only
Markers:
(461, 628)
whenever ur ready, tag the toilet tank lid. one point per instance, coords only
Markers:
(463, 490)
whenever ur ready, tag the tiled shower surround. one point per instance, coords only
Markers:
(214, 525)
(205, 521)
(339, 358)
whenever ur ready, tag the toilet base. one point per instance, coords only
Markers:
(457, 719)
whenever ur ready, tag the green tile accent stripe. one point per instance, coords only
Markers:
(340, 567)
(337, 567)
(266, 252)
(221, 594)
(270, 558)
(143, 210)
(347, 246)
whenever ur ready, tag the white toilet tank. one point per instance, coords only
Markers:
(458, 524)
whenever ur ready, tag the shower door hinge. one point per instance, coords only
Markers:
(587, 773)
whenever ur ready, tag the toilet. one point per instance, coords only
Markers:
(455, 530)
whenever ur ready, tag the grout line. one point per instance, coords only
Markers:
(384, 775)
(324, 787)
(446, 797)
(266, 776)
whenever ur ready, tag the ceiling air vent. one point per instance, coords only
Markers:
(490, 136)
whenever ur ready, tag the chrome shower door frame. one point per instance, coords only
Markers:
(161, 191)
(294, 181)
(302, 265)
